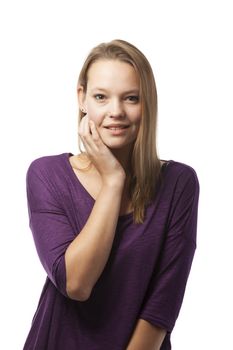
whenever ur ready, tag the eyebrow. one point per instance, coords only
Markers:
(133, 91)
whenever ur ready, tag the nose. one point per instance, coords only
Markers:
(116, 109)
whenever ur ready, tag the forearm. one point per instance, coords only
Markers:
(87, 255)
(146, 337)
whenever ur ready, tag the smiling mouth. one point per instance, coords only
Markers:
(117, 127)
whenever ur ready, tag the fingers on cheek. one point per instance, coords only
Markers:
(95, 136)
(81, 134)
(83, 128)
(92, 128)
(86, 127)
(94, 131)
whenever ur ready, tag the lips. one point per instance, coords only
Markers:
(116, 126)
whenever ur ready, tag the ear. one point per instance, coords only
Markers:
(81, 97)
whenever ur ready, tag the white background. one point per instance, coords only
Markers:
(189, 45)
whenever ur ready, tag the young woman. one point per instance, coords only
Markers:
(114, 226)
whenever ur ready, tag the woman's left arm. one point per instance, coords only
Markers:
(146, 336)
(163, 300)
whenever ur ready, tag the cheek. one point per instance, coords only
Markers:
(94, 115)
(137, 123)
(136, 115)
(137, 119)
(137, 128)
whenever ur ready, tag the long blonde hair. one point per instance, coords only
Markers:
(145, 164)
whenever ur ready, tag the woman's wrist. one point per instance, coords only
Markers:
(115, 182)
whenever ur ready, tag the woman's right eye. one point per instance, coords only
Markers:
(99, 97)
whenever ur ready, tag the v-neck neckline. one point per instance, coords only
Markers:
(85, 191)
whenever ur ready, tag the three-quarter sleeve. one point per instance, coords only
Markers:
(49, 224)
(165, 293)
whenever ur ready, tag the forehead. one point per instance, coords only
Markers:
(112, 73)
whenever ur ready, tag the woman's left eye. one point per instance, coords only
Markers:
(133, 98)
(99, 97)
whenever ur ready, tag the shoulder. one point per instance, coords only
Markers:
(182, 169)
(45, 179)
(181, 175)
(46, 169)
(49, 163)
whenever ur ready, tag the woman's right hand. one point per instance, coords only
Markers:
(108, 166)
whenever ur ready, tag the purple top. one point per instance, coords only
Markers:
(147, 270)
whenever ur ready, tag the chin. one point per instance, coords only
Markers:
(118, 142)
(119, 145)
(114, 146)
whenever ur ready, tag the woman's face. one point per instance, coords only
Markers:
(112, 101)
